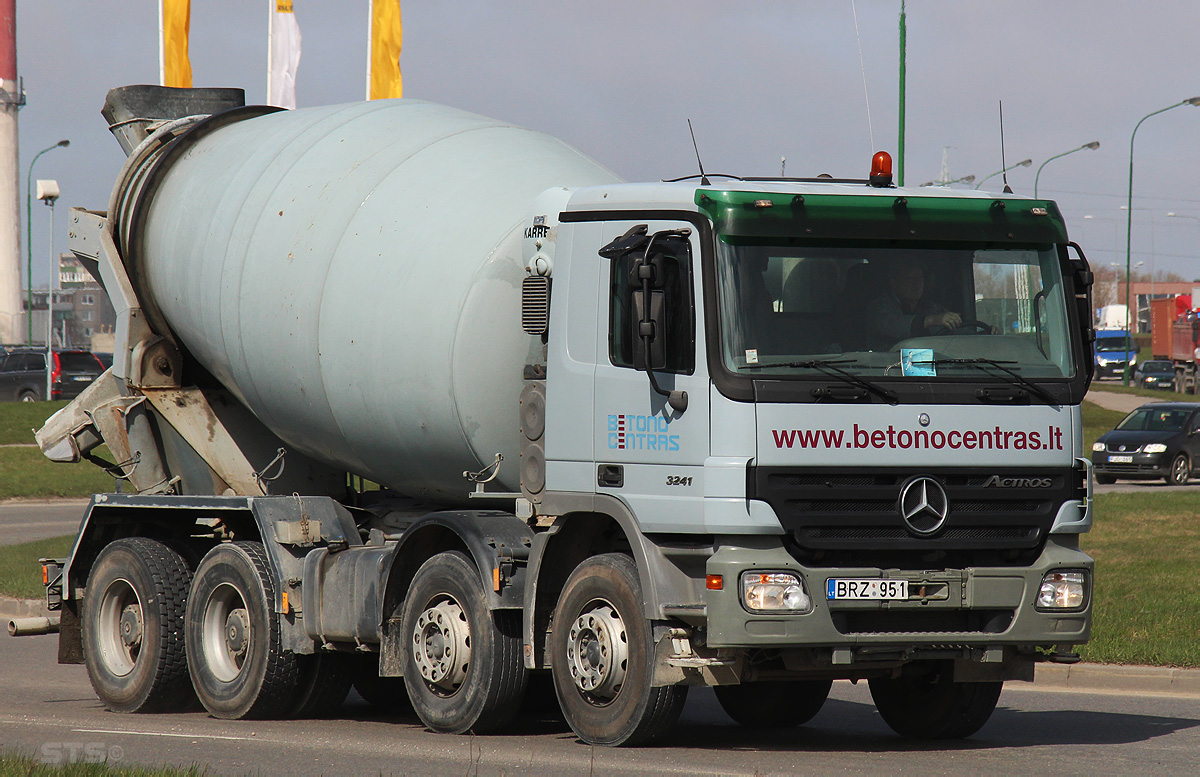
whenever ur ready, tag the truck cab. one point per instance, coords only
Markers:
(839, 484)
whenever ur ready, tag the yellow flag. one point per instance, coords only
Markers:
(383, 60)
(174, 19)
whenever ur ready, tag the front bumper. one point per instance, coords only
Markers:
(1148, 466)
(1112, 370)
(976, 607)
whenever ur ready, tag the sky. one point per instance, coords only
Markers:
(813, 81)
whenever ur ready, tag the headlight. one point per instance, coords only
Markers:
(1062, 591)
(774, 592)
(1097, 446)
(1150, 379)
(1154, 447)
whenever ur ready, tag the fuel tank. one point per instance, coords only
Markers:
(352, 274)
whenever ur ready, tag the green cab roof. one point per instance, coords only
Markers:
(876, 216)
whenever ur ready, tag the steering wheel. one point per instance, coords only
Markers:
(972, 327)
(965, 327)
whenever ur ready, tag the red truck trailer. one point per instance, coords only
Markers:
(1173, 336)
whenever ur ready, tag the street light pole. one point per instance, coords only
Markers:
(29, 236)
(50, 310)
(1022, 163)
(1129, 222)
(1095, 144)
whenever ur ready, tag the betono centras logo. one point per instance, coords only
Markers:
(995, 481)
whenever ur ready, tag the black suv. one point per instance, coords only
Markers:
(23, 374)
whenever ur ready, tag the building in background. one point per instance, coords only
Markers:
(83, 315)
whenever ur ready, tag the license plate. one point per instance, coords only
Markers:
(1120, 459)
(83, 378)
(865, 589)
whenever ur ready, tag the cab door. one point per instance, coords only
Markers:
(648, 454)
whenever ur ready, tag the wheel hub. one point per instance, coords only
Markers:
(237, 624)
(598, 652)
(131, 625)
(442, 645)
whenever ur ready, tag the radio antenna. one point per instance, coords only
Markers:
(1003, 164)
(703, 178)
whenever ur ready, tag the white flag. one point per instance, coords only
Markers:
(284, 56)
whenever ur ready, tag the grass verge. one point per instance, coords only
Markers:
(20, 575)
(1147, 606)
(29, 474)
(19, 419)
(29, 766)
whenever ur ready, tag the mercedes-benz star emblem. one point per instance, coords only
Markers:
(923, 505)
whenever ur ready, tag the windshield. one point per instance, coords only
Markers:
(1147, 419)
(1105, 344)
(1158, 367)
(933, 311)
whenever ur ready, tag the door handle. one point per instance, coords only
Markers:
(610, 475)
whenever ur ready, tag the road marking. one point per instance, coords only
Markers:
(163, 734)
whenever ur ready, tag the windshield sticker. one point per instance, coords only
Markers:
(751, 356)
(996, 439)
(917, 362)
(641, 433)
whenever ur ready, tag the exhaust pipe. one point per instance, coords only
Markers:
(28, 627)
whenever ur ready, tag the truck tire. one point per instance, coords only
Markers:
(132, 628)
(603, 657)
(235, 654)
(386, 695)
(928, 704)
(28, 396)
(1181, 470)
(462, 663)
(773, 704)
(324, 684)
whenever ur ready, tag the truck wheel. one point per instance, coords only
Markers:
(28, 396)
(773, 704)
(133, 627)
(384, 694)
(462, 663)
(324, 684)
(603, 657)
(238, 665)
(1105, 480)
(1181, 469)
(930, 705)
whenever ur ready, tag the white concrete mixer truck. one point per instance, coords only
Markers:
(404, 392)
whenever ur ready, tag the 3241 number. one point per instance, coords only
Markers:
(675, 480)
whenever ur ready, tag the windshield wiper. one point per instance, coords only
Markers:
(831, 368)
(1016, 378)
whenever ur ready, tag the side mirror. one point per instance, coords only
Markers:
(648, 326)
(650, 310)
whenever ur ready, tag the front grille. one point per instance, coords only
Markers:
(830, 513)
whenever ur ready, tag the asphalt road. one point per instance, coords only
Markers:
(28, 521)
(50, 712)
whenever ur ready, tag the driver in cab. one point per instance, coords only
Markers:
(902, 310)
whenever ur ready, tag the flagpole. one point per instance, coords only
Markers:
(270, 50)
(370, 35)
(162, 45)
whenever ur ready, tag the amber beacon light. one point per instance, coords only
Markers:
(881, 169)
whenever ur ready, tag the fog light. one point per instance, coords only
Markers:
(1154, 447)
(1062, 591)
(774, 592)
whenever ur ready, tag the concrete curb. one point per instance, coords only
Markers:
(1117, 678)
(21, 608)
